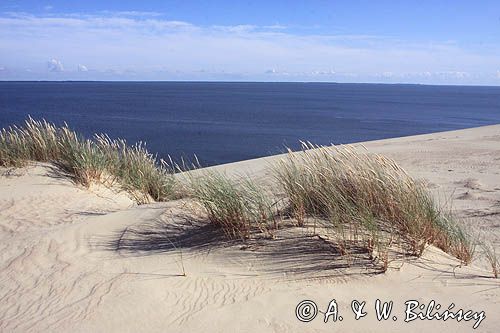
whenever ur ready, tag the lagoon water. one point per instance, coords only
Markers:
(226, 122)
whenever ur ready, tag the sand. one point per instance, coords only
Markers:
(90, 260)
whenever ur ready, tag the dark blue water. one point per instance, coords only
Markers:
(225, 122)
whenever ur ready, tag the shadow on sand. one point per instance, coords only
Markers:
(293, 252)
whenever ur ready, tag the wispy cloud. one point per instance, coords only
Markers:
(136, 44)
(132, 13)
(87, 23)
(275, 27)
(235, 28)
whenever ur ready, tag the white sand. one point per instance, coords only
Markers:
(59, 272)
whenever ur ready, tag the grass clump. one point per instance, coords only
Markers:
(237, 207)
(89, 160)
(36, 141)
(80, 159)
(367, 194)
(137, 170)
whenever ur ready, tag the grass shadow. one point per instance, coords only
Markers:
(160, 236)
(293, 253)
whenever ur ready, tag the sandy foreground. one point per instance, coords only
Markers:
(90, 260)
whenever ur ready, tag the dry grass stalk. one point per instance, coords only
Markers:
(492, 257)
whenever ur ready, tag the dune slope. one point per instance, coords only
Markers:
(90, 260)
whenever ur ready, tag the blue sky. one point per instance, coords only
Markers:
(431, 42)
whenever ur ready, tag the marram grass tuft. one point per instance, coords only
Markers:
(99, 159)
(367, 193)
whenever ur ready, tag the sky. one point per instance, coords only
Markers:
(425, 42)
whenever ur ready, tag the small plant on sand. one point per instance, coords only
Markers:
(237, 207)
(369, 193)
(492, 257)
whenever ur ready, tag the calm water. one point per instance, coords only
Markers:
(225, 122)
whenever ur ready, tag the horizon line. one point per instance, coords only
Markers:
(235, 81)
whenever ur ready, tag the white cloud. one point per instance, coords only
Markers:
(498, 74)
(327, 72)
(275, 27)
(424, 74)
(302, 74)
(235, 28)
(144, 42)
(453, 74)
(55, 65)
(133, 13)
(82, 68)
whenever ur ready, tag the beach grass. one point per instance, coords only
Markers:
(367, 195)
(35, 141)
(239, 207)
(85, 161)
(139, 171)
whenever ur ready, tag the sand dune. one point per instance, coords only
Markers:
(90, 260)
